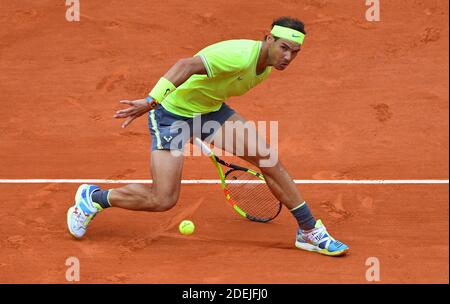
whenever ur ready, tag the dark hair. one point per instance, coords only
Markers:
(289, 22)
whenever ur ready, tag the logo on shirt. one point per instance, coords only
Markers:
(240, 78)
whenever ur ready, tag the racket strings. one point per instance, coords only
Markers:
(252, 195)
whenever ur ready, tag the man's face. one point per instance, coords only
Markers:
(282, 52)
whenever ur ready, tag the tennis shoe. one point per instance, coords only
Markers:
(80, 215)
(319, 240)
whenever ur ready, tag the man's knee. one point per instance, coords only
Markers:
(270, 170)
(165, 201)
(265, 159)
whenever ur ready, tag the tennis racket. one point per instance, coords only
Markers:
(245, 189)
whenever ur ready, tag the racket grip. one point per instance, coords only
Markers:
(204, 147)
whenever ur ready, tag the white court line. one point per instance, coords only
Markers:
(217, 181)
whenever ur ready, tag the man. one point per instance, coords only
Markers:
(198, 87)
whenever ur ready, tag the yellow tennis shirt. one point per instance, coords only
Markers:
(231, 68)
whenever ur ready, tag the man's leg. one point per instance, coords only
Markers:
(162, 195)
(312, 234)
(166, 169)
(277, 177)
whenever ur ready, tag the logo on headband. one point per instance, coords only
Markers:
(288, 33)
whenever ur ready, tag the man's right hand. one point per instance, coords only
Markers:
(136, 109)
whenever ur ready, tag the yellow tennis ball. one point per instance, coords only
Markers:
(186, 227)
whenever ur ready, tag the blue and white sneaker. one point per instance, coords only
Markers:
(84, 210)
(319, 240)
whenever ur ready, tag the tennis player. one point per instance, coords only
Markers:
(198, 87)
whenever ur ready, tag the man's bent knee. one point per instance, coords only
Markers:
(163, 203)
(263, 161)
(277, 167)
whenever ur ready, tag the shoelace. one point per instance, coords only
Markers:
(338, 244)
(83, 219)
(318, 236)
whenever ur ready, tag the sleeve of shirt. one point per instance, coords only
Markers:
(223, 61)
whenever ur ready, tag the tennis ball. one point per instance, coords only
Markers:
(186, 227)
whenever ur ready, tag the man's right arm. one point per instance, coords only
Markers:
(177, 75)
(185, 68)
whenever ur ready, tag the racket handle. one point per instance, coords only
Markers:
(204, 147)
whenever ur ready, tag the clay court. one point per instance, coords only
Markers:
(363, 101)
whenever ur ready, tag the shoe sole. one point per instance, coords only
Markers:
(312, 248)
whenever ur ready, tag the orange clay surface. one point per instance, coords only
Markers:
(363, 100)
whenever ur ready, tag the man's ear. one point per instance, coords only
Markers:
(270, 38)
